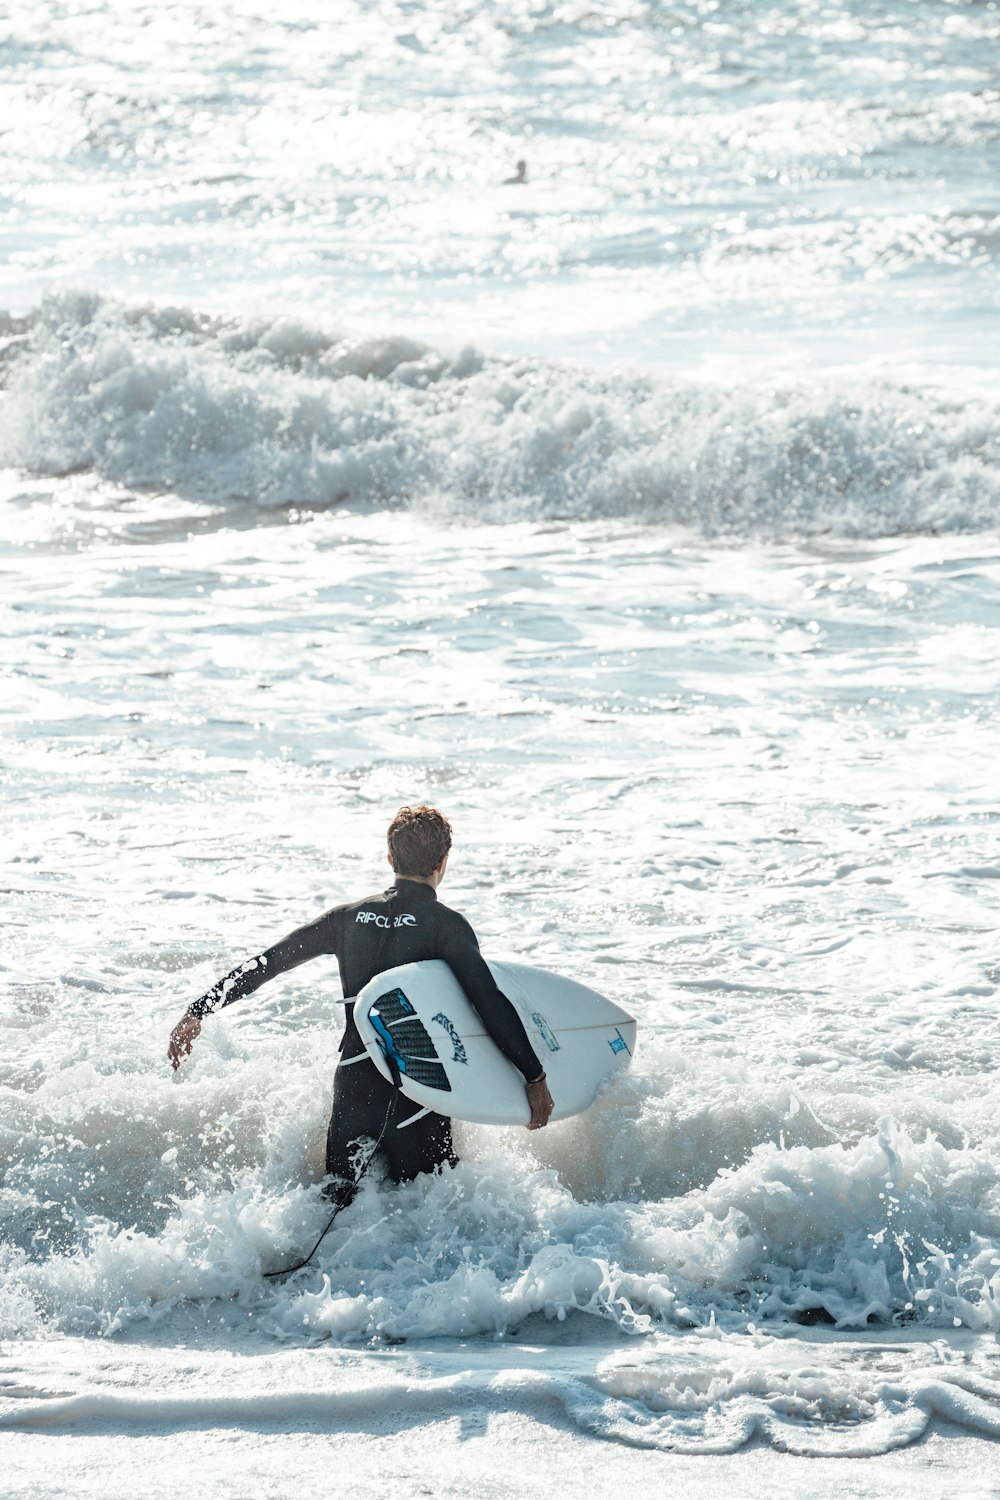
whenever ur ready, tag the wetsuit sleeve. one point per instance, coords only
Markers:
(297, 948)
(461, 950)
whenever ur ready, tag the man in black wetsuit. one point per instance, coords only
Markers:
(402, 925)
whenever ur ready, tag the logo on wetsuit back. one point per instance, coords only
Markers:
(405, 919)
(456, 1040)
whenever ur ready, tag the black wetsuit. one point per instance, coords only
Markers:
(402, 925)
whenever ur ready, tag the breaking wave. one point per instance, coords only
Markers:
(281, 414)
(127, 1194)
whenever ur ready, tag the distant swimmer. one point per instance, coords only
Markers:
(521, 175)
(402, 925)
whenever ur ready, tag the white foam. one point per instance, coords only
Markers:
(643, 1226)
(281, 414)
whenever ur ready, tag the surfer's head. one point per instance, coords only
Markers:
(419, 840)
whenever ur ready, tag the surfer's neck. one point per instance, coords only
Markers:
(434, 879)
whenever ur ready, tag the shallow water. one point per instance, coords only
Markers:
(747, 792)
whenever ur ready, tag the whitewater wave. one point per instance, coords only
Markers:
(278, 413)
(127, 1194)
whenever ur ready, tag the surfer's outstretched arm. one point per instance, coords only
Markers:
(461, 950)
(297, 948)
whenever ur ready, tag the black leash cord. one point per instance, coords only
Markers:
(289, 1270)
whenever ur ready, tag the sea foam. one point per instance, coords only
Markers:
(281, 413)
(131, 1194)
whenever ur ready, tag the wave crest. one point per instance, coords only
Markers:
(281, 413)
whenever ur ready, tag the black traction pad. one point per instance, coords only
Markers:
(416, 1054)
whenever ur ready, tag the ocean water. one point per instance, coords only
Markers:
(645, 516)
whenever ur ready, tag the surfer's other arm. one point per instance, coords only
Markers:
(297, 948)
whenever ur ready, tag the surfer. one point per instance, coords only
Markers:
(404, 924)
(520, 174)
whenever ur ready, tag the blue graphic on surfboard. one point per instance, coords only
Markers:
(418, 1025)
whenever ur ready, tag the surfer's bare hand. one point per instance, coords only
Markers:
(182, 1038)
(540, 1102)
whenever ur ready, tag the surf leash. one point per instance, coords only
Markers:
(290, 1270)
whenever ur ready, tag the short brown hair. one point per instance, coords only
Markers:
(419, 839)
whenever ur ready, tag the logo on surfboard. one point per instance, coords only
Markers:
(545, 1031)
(456, 1040)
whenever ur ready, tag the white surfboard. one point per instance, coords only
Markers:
(418, 1015)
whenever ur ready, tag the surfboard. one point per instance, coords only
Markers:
(417, 1018)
